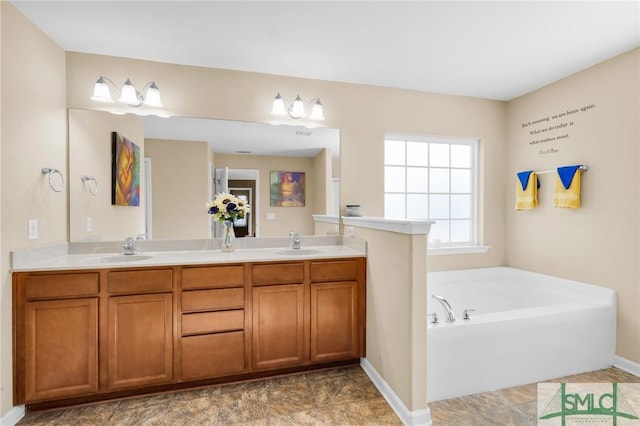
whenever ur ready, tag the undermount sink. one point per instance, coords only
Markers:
(297, 252)
(123, 258)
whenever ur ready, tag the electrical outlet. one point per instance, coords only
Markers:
(89, 224)
(271, 216)
(33, 229)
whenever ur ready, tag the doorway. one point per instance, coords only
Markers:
(244, 182)
(243, 227)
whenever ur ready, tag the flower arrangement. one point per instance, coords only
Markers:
(227, 207)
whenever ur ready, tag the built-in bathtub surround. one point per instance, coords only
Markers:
(525, 328)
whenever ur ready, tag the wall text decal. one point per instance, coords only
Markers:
(553, 128)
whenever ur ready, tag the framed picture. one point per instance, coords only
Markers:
(287, 189)
(125, 171)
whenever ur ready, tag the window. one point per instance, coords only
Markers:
(435, 179)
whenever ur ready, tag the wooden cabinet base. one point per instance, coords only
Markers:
(91, 335)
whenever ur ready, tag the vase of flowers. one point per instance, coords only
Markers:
(226, 208)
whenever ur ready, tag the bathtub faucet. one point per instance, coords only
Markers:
(447, 307)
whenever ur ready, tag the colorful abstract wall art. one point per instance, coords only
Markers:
(125, 168)
(287, 189)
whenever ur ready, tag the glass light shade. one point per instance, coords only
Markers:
(297, 109)
(152, 97)
(128, 95)
(316, 111)
(101, 92)
(278, 106)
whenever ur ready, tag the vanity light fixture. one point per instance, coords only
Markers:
(149, 95)
(296, 110)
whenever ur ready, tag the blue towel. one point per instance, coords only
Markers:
(524, 179)
(566, 174)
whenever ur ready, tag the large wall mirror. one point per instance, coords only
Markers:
(183, 162)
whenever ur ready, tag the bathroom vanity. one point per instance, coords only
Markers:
(118, 329)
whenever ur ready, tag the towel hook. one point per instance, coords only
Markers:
(51, 171)
(92, 185)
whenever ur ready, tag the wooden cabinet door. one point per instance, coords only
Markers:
(334, 321)
(61, 348)
(278, 326)
(140, 350)
(213, 355)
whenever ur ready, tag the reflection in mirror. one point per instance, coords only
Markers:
(183, 163)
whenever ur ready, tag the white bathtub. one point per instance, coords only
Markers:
(526, 328)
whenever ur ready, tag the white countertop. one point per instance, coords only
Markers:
(186, 257)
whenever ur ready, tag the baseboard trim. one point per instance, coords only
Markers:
(626, 365)
(13, 416)
(413, 418)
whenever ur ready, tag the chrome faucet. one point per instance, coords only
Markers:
(447, 307)
(295, 240)
(129, 247)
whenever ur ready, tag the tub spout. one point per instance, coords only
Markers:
(447, 307)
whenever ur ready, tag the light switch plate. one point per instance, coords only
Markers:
(33, 229)
(89, 224)
(271, 216)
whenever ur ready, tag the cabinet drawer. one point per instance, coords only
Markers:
(341, 270)
(140, 281)
(60, 285)
(203, 300)
(279, 273)
(212, 355)
(212, 322)
(214, 276)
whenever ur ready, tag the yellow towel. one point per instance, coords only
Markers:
(567, 198)
(527, 199)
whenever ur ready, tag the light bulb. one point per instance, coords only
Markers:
(101, 92)
(316, 112)
(297, 109)
(278, 106)
(129, 95)
(152, 97)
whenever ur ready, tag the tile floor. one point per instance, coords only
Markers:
(343, 396)
(515, 406)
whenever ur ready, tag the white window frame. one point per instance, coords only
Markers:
(472, 246)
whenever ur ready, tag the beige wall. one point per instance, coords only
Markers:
(396, 312)
(364, 114)
(90, 154)
(180, 188)
(287, 219)
(322, 194)
(34, 135)
(597, 243)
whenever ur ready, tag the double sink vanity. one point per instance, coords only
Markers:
(91, 323)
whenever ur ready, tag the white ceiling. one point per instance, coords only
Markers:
(493, 50)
